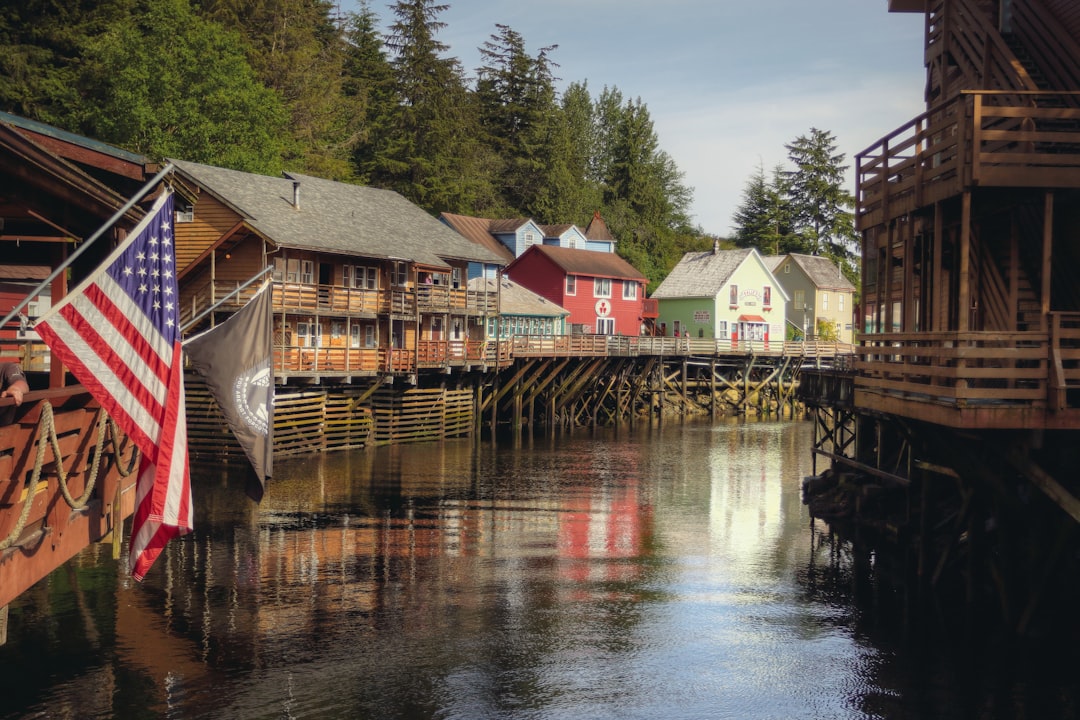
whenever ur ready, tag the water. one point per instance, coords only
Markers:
(655, 573)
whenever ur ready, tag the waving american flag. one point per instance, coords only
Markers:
(118, 334)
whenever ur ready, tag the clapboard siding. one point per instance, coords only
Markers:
(212, 220)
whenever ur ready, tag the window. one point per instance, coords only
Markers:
(293, 270)
(733, 295)
(840, 302)
(787, 268)
(360, 277)
(766, 296)
(602, 287)
(629, 290)
(530, 239)
(825, 301)
(185, 212)
(455, 278)
(571, 284)
(354, 336)
(399, 273)
(302, 334)
(721, 328)
(307, 272)
(337, 330)
(369, 336)
(605, 326)
(800, 300)
(279, 269)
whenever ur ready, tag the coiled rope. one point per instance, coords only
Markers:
(46, 433)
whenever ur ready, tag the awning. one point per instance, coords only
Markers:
(751, 318)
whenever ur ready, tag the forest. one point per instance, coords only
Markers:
(294, 85)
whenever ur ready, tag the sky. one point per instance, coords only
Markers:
(728, 83)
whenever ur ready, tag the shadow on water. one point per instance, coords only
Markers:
(654, 572)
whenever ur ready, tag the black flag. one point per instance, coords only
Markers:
(235, 360)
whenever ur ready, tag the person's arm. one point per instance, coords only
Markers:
(16, 390)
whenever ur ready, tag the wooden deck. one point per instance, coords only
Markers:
(979, 139)
(991, 380)
(54, 447)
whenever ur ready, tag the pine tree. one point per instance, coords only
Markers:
(821, 208)
(433, 157)
(763, 218)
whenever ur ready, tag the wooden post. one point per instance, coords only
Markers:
(939, 293)
(712, 388)
(1047, 256)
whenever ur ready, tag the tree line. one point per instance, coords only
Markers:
(275, 85)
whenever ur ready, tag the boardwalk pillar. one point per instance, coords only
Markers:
(712, 388)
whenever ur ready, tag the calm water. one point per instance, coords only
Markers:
(659, 573)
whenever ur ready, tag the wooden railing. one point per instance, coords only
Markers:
(1003, 139)
(635, 346)
(957, 368)
(295, 360)
(1064, 357)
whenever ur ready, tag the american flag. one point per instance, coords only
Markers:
(118, 334)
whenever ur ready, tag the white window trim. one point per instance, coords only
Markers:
(571, 284)
(597, 283)
(629, 290)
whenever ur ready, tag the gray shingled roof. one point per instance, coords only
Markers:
(515, 299)
(701, 274)
(336, 217)
(823, 272)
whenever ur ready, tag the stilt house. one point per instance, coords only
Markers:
(969, 215)
(365, 283)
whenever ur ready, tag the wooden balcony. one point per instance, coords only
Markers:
(989, 380)
(297, 361)
(979, 139)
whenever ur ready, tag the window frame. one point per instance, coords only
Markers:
(601, 288)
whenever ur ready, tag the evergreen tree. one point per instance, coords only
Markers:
(42, 43)
(434, 157)
(820, 207)
(297, 50)
(763, 218)
(370, 80)
(167, 83)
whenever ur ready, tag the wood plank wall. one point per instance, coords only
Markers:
(312, 420)
(1068, 14)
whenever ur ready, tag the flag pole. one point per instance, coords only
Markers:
(100, 231)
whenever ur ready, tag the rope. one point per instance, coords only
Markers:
(46, 432)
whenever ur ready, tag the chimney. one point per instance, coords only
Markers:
(295, 190)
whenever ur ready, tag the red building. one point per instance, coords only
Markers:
(603, 292)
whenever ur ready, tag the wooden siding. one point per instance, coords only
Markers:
(1067, 13)
(212, 220)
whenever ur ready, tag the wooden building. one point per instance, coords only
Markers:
(821, 301)
(602, 291)
(366, 284)
(954, 435)
(722, 294)
(521, 311)
(967, 214)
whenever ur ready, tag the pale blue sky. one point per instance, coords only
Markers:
(727, 83)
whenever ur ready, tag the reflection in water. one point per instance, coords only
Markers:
(654, 573)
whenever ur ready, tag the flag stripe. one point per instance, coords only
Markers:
(117, 333)
(81, 356)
